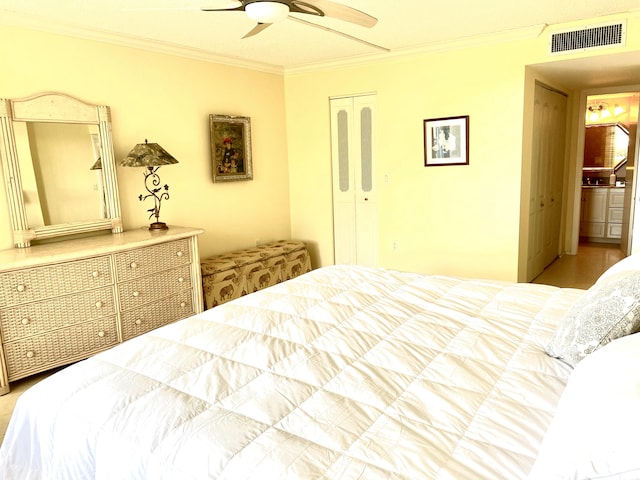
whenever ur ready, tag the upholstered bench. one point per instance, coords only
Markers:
(231, 275)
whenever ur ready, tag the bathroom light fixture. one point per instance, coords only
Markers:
(598, 111)
(601, 111)
(267, 12)
(593, 112)
(152, 156)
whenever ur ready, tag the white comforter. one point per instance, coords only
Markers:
(343, 373)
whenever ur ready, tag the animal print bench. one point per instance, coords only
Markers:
(231, 275)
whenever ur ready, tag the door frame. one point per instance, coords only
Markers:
(574, 184)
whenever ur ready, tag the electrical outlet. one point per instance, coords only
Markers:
(395, 245)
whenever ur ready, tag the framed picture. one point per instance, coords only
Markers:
(230, 148)
(446, 141)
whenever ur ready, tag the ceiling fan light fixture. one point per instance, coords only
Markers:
(267, 12)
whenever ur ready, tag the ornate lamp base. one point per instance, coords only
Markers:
(158, 226)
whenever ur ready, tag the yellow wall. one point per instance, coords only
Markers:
(167, 100)
(457, 219)
(461, 220)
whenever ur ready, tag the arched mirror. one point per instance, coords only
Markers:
(58, 160)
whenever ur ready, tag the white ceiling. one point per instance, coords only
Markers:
(180, 26)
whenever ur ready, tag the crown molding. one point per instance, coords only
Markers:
(447, 46)
(157, 46)
(42, 24)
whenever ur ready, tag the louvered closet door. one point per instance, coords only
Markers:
(354, 194)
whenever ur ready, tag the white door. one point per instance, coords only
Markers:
(547, 170)
(354, 194)
(630, 210)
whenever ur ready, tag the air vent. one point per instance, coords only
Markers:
(588, 38)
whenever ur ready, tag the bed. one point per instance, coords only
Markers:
(348, 373)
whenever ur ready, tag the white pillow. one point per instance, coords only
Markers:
(630, 263)
(594, 433)
(608, 310)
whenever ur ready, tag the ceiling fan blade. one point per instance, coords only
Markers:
(205, 9)
(257, 29)
(337, 32)
(219, 5)
(304, 7)
(337, 10)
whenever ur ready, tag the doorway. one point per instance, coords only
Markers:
(605, 73)
(607, 187)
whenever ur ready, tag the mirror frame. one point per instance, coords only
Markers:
(59, 108)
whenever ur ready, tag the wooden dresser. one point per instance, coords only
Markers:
(62, 302)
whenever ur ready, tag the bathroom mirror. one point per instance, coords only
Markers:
(58, 161)
(605, 146)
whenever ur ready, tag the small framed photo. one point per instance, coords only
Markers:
(230, 148)
(446, 141)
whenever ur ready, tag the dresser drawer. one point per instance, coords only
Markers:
(64, 301)
(31, 284)
(145, 261)
(154, 287)
(140, 320)
(59, 347)
(39, 317)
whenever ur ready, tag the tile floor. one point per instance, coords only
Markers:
(577, 271)
(583, 269)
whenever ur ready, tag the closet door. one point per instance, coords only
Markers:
(354, 194)
(547, 173)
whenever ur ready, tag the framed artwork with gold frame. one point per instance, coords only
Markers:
(230, 148)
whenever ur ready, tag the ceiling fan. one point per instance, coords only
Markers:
(268, 12)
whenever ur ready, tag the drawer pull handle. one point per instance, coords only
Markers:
(138, 322)
(136, 293)
(21, 288)
(179, 254)
(95, 274)
(133, 265)
(26, 321)
(30, 354)
(180, 279)
(101, 334)
(183, 304)
(99, 304)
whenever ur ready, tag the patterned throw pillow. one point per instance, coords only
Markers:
(608, 310)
